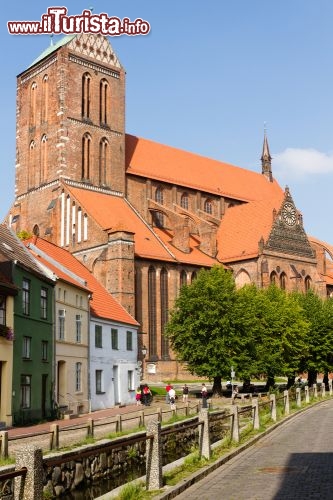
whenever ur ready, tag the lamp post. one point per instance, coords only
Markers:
(144, 351)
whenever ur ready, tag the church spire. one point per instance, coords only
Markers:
(266, 159)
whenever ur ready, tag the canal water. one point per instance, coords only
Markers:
(103, 486)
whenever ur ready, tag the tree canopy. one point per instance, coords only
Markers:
(214, 326)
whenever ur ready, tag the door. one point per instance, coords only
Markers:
(44, 389)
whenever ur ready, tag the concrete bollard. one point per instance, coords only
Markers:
(298, 397)
(286, 402)
(323, 390)
(307, 396)
(330, 387)
(154, 480)
(255, 414)
(30, 487)
(54, 438)
(235, 425)
(315, 390)
(4, 444)
(204, 442)
(90, 428)
(119, 426)
(273, 406)
(142, 418)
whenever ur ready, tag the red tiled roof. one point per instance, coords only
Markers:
(114, 212)
(156, 161)
(243, 226)
(195, 256)
(102, 304)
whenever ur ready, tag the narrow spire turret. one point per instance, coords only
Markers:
(266, 159)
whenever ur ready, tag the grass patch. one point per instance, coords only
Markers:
(7, 461)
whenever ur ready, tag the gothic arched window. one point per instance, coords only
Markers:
(164, 311)
(183, 278)
(86, 147)
(103, 101)
(85, 107)
(103, 161)
(283, 281)
(273, 278)
(208, 207)
(45, 98)
(152, 328)
(184, 201)
(307, 283)
(33, 104)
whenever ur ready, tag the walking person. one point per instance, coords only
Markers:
(204, 395)
(138, 396)
(167, 388)
(147, 395)
(172, 398)
(185, 393)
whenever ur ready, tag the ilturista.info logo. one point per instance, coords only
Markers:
(56, 21)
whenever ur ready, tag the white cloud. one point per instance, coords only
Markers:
(294, 162)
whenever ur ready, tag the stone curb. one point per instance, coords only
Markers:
(173, 491)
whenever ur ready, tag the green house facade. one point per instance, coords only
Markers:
(33, 345)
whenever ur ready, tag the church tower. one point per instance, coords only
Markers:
(71, 117)
(266, 160)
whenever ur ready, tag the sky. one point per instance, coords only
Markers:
(209, 78)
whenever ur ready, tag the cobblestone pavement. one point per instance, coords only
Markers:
(294, 462)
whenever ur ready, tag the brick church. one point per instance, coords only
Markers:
(145, 217)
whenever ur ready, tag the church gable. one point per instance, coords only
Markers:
(287, 235)
(96, 47)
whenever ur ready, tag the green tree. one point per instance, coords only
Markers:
(283, 333)
(318, 356)
(200, 325)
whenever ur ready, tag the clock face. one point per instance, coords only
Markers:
(289, 214)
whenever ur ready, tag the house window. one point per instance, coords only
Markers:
(2, 310)
(78, 370)
(26, 297)
(25, 391)
(61, 324)
(78, 328)
(45, 346)
(129, 341)
(98, 336)
(114, 338)
(208, 207)
(130, 380)
(184, 201)
(26, 352)
(43, 303)
(99, 381)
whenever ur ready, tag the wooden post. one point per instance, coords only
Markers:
(286, 402)
(273, 407)
(4, 444)
(235, 425)
(255, 414)
(90, 427)
(54, 438)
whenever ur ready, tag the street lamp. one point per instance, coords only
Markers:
(144, 351)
